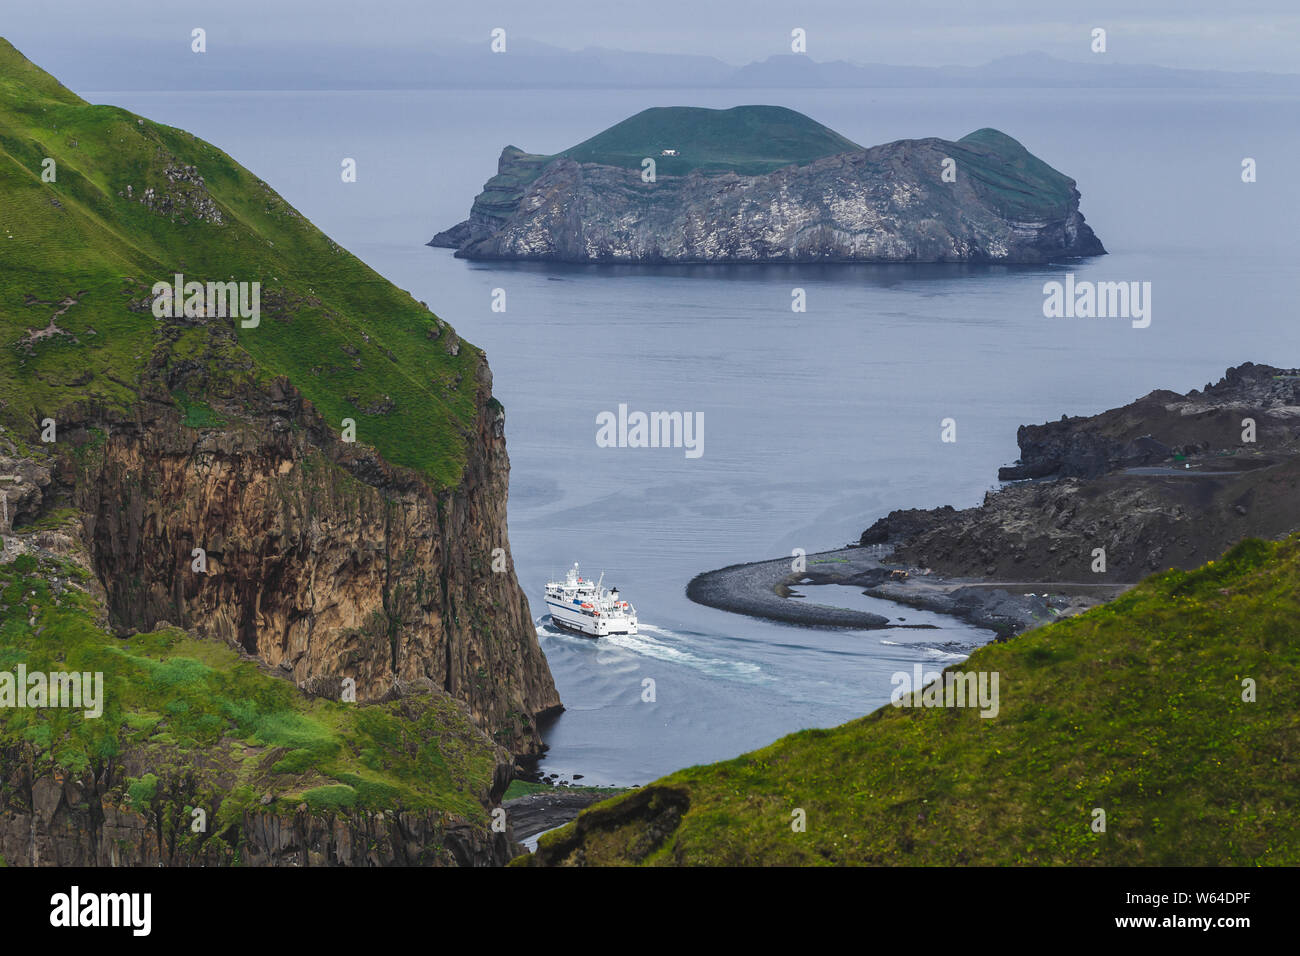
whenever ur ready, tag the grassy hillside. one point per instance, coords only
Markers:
(1134, 707)
(751, 140)
(78, 257)
(191, 714)
(1024, 185)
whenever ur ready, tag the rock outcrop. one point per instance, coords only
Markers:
(1166, 481)
(890, 203)
(1163, 425)
(65, 820)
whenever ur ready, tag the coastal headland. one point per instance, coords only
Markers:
(1094, 504)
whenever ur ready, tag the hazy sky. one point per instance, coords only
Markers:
(1193, 34)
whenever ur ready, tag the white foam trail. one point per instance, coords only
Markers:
(936, 652)
(645, 646)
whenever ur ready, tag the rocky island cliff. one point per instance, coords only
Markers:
(767, 184)
(279, 534)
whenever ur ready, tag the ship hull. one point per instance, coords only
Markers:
(578, 623)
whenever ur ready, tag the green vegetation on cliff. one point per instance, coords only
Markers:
(751, 140)
(1022, 184)
(1135, 708)
(133, 203)
(189, 723)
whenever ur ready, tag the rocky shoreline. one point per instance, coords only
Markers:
(1169, 480)
(536, 813)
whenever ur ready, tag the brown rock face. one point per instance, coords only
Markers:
(71, 821)
(321, 558)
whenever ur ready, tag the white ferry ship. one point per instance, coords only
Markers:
(584, 606)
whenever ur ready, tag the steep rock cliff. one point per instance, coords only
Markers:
(323, 559)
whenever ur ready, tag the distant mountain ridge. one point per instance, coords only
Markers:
(532, 65)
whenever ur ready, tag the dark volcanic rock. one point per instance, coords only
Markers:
(904, 523)
(1155, 428)
(884, 204)
(763, 589)
(538, 812)
(1166, 481)
(452, 238)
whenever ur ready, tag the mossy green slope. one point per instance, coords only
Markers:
(1135, 708)
(215, 730)
(750, 140)
(79, 255)
(1024, 185)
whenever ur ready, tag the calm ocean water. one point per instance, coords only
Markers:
(817, 423)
